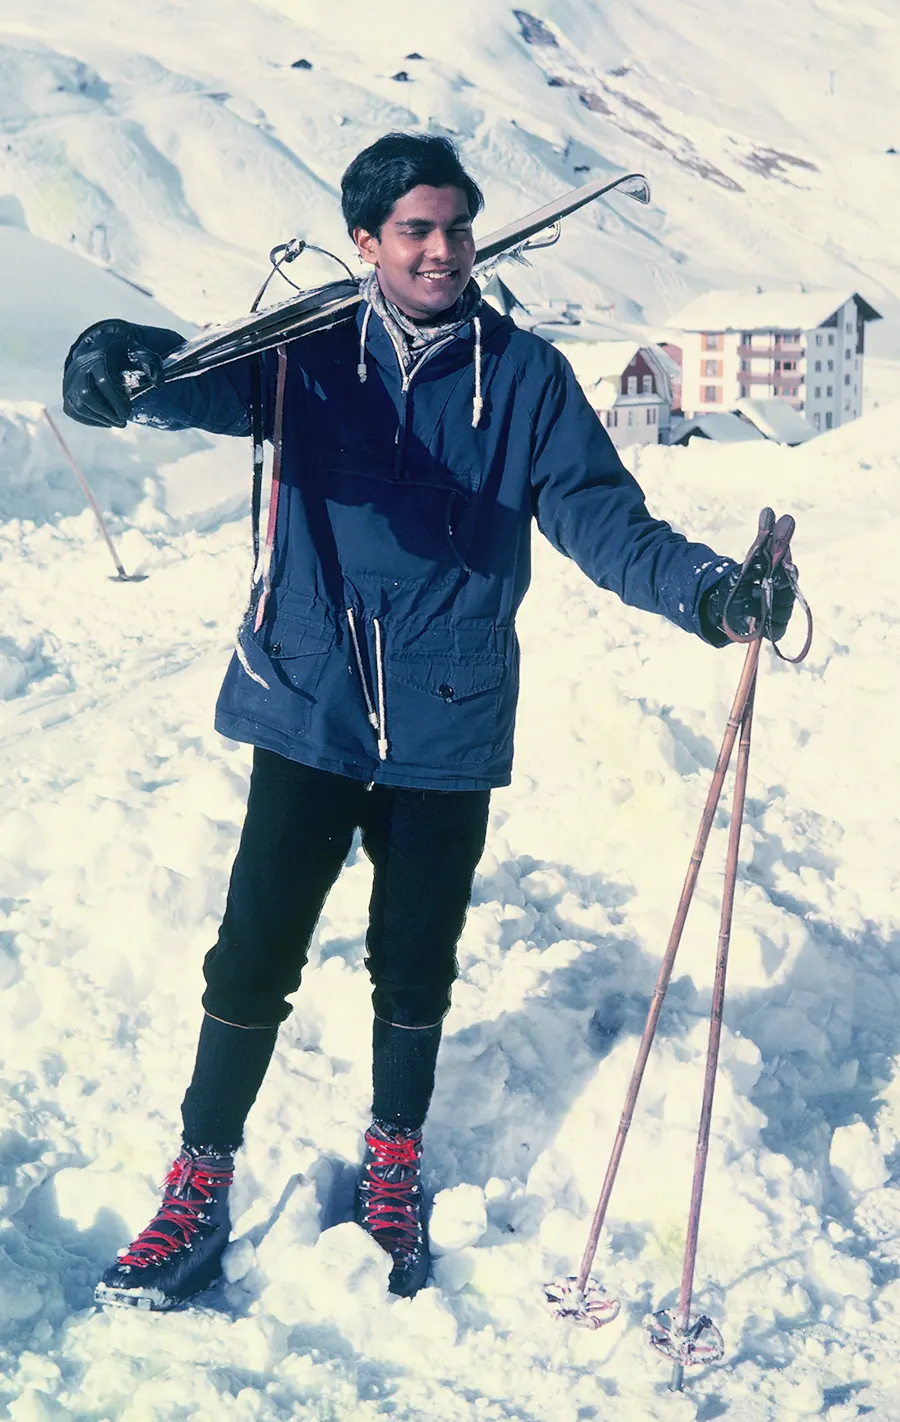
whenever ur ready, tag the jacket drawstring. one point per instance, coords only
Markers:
(477, 402)
(377, 719)
(361, 370)
(379, 672)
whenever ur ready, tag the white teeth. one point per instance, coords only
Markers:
(437, 276)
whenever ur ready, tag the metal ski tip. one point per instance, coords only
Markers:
(690, 1348)
(590, 1307)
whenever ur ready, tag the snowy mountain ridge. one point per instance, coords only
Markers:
(760, 174)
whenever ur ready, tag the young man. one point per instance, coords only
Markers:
(377, 676)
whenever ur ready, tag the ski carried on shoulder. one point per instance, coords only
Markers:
(328, 305)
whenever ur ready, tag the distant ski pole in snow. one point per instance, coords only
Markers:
(580, 1298)
(123, 577)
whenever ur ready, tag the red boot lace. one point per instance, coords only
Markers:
(389, 1203)
(153, 1244)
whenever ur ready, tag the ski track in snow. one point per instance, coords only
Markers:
(175, 149)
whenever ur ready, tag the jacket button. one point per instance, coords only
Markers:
(275, 649)
(446, 691)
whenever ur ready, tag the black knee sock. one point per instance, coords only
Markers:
(230, 1066)
(403, 1061)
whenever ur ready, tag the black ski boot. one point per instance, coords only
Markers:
(180, 1251)
(390, 1206)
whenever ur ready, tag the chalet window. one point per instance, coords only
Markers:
(746, 338)
(829, 419)
(710, 367)
(829, 392)
(847, 353)
(632, 384)
(846, 380)
(849, 325)
(817, 419)
(779, 338)
(647, 384)
(712, 395)
(818, 365)
(831, 338)
(818, 392)
(711, 341)
(631, 417)
(818, 338)
(831, 365)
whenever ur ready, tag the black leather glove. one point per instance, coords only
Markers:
(94, 387)
(748, 602)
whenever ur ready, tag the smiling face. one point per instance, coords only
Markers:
(425, 252)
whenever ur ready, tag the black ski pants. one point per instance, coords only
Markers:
(424, 846)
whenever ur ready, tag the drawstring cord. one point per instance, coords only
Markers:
(379, 672)
(361, 370)
(370, 709)
(477, 403)
(363, 373)
(377, 719)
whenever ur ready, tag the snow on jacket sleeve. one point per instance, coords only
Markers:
(217, 401)
(590, 508)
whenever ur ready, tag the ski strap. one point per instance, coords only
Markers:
(263, 575)
(257, 436)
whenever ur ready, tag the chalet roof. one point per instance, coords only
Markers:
(594, 361)
(718, 425)
(756, 310)
(777, 420)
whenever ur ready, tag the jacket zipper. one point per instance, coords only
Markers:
(405, 380)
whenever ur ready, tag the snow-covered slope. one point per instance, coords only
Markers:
(175, 144)
(180, 149)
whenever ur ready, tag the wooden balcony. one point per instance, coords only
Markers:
(770, 377)
(772, 352)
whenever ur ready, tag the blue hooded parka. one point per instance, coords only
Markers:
(401, 551)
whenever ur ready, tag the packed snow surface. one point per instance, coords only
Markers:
(164, 149)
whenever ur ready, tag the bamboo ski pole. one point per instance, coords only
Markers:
(94, 506)
(715, 1030)
(743, 693)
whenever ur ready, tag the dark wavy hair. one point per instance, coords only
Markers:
(394, 165)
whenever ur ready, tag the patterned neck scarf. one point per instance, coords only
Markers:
(411, 337)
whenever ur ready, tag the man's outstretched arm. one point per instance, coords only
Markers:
(590, 508)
